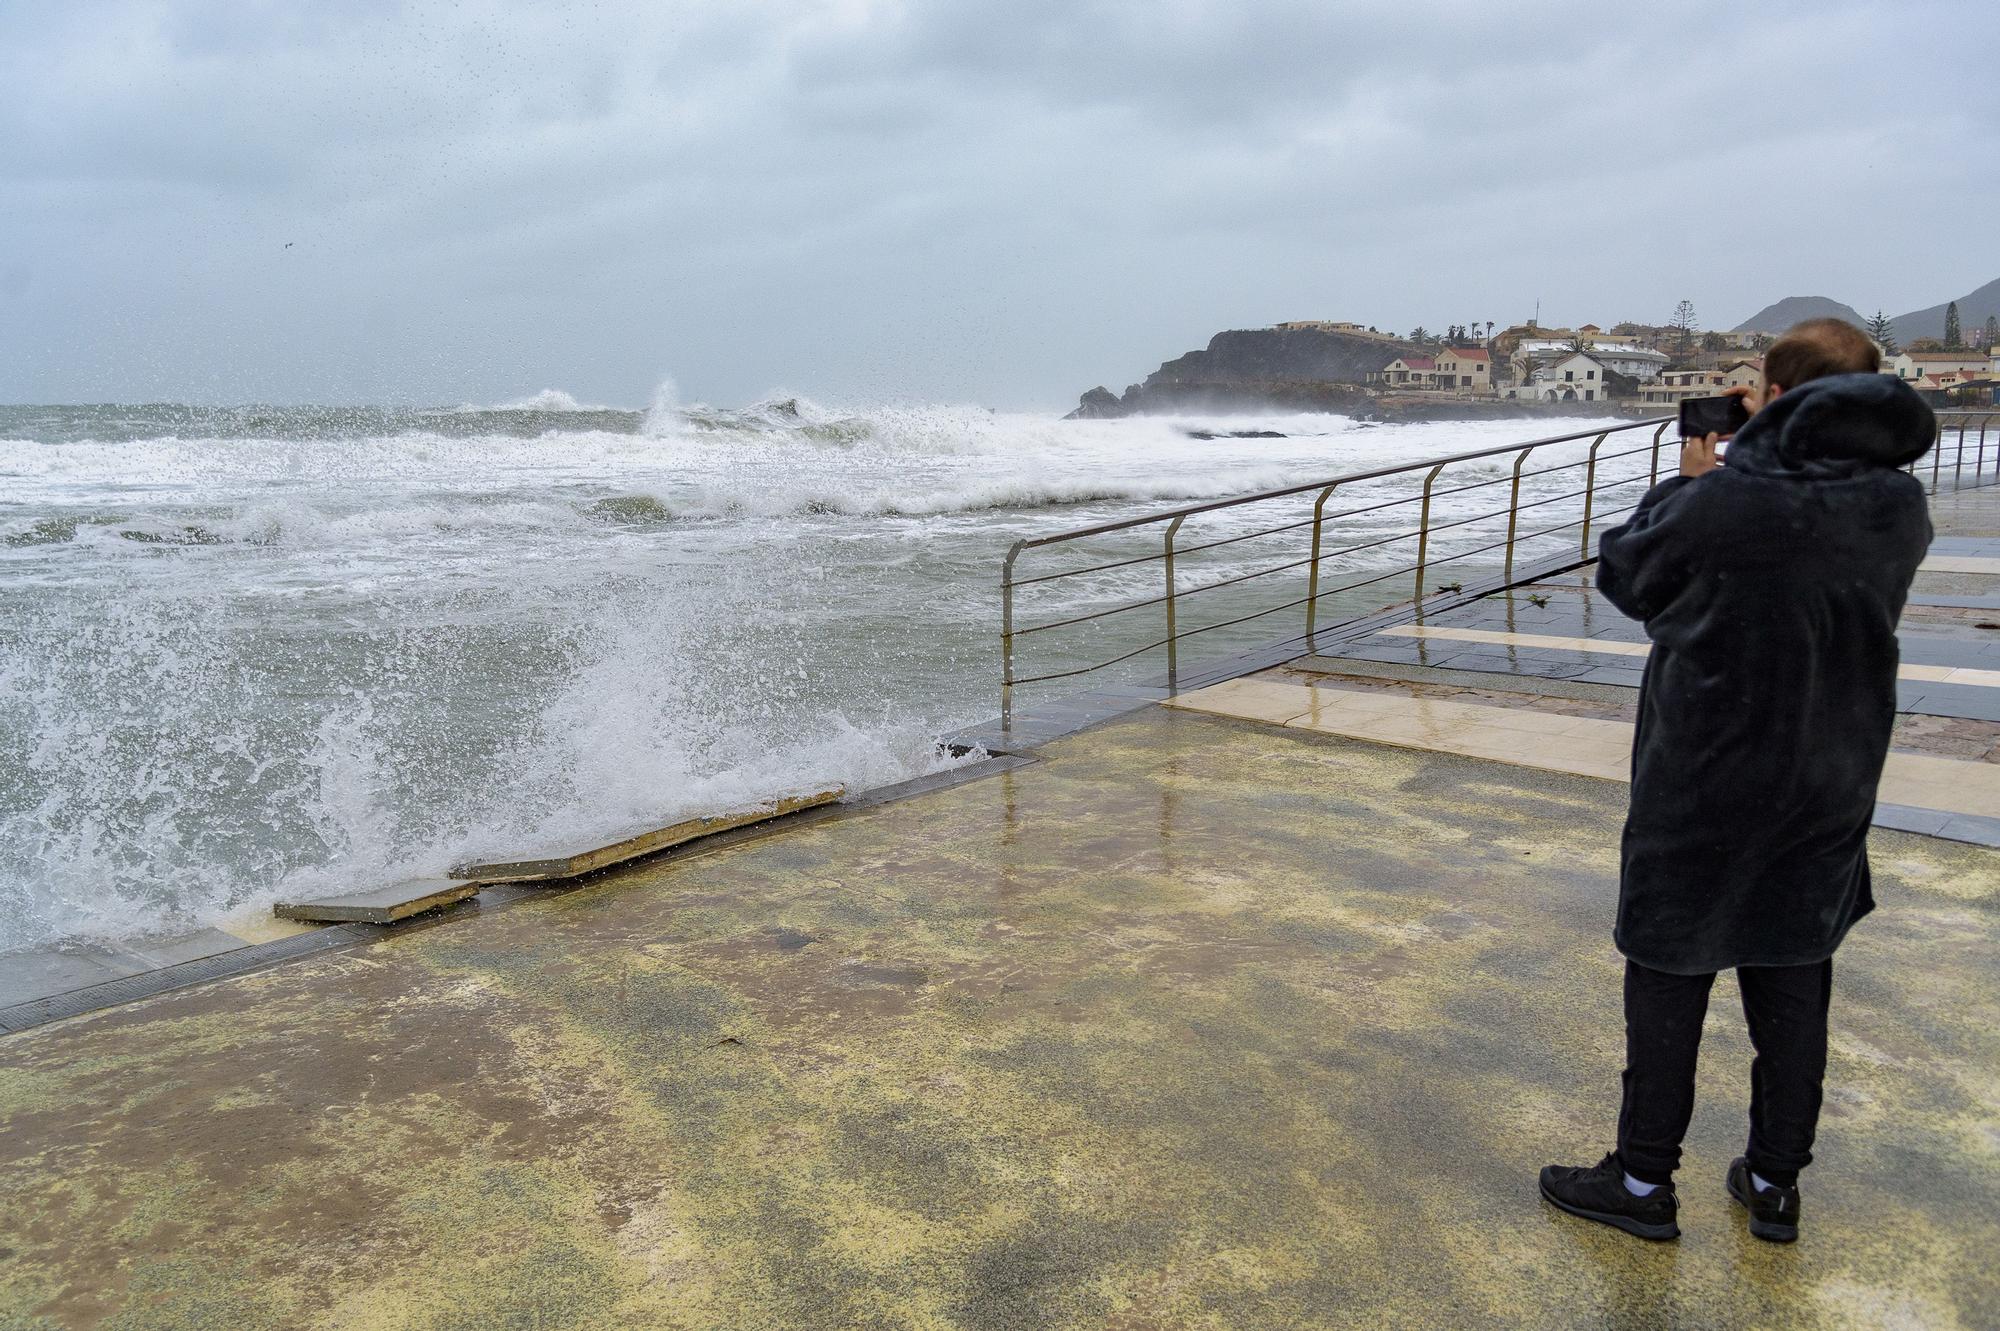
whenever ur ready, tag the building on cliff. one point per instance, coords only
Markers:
(1330, 326)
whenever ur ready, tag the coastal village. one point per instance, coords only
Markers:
(1637, 364)
(1478, 370)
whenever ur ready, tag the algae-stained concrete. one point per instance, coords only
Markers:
(1196, 1023)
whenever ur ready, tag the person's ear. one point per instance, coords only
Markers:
(1771, 392)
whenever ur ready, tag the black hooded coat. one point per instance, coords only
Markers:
(1771, 588)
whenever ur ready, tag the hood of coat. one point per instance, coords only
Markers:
(1835, 427)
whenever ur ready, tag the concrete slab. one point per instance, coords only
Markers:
(1193, 1023)
(381, 905)
(1960, 564)
(1514, 735)
(1928, 659)
(29, 975)
(554, 864)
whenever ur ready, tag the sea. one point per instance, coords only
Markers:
(257, 653)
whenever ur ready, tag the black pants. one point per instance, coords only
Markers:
(1786, 1008)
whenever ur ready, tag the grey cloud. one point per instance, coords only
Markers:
(860, 199)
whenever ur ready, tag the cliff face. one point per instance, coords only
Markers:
(1303, 368)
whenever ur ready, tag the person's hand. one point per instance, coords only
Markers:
(1698, 455)
(1751, 396)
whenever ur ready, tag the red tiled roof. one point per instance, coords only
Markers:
(1470, 353)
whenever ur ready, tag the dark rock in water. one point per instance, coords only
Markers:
(1096, 405)
(1235, 434)
(1226, 398)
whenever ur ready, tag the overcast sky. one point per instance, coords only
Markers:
(999, 203)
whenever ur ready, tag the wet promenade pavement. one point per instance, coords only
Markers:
(1197, 1020)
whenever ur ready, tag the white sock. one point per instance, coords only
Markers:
(1758, 1181)
(1639, 1189)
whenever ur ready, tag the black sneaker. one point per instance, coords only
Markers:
(1599, 1193)
(1774, 1212)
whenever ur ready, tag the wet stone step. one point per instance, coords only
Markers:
(559, 863)
(381, 905)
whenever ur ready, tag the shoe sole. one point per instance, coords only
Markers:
(1656, 1233)
(1763, 1229)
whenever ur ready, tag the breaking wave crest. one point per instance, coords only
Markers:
(549, 399)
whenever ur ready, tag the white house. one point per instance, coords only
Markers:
(1578, 377)
(1634, 362)
(1579, 373)
(1641, 363)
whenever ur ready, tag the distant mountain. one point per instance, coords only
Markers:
(1775, 319)
(1974, 309)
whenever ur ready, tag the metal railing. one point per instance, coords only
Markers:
(1607, 485)
(1952, 428)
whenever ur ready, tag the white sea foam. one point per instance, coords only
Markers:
(239, 666)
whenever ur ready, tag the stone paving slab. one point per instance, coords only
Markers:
(380, 905)
(1518, 732)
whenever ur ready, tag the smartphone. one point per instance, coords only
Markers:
(1713, 415)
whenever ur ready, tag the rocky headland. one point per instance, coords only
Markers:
(1300, 369)
(1303, 369)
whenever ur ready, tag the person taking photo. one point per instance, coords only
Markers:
(1770, 582)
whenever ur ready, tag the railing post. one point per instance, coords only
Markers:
(1958, 460)
(1590, 488)
(1514, 513)
(1424, 530)
(1937, 456)
(1173, 634)
(1654, 478)
(1312, 575)
(1007, 636)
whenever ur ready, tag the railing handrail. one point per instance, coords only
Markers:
(1962, 420)
(1348, 478)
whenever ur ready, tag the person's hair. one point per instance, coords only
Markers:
(1819, 347)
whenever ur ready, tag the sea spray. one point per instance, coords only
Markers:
(248, 653)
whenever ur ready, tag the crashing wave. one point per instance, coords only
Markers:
(549, 399)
